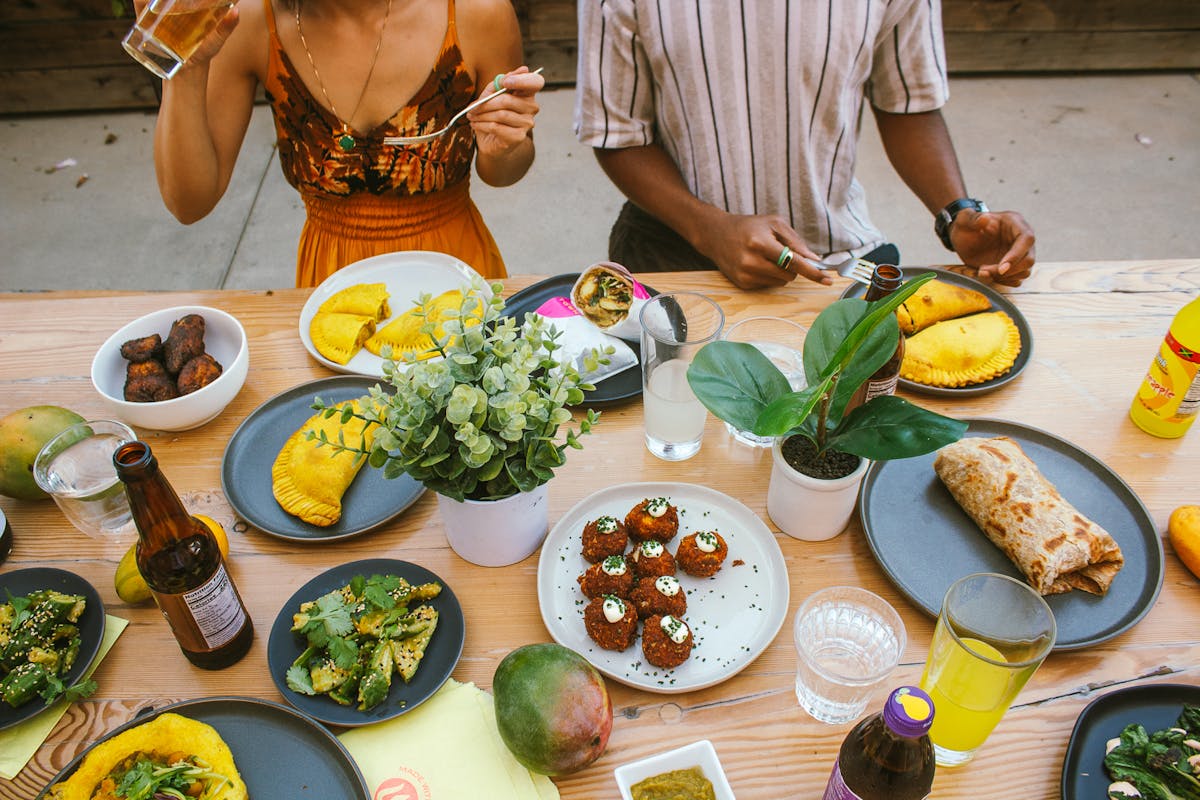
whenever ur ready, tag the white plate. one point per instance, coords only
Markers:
(697, 754)
(733, 615)
(406, 274)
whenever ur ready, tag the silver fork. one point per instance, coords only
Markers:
(429, 137)
(856, 269)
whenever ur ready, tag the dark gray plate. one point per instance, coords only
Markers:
(999, 303)
(91, 626)
(280, 753)
(370, 501)
(439, 661)
(924, 541)
(625, 384)
(1154, 706)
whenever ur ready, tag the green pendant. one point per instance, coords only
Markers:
(346, 142)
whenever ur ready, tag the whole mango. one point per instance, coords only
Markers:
(22, 434)
(552, 708)
(1183, 529)
(128, 581)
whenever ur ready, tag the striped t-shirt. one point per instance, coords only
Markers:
(760, 102)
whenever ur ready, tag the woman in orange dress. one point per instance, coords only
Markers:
(341, 75)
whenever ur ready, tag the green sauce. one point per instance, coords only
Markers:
(679, 784)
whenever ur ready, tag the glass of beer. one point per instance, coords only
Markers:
(992, 634)
(167, 32)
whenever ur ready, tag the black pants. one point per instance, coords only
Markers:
(641, 243)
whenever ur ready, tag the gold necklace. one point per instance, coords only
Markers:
(344, 140)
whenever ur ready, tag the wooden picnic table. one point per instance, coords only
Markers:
(1095, 325)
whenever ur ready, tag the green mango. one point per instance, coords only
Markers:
(22, 435)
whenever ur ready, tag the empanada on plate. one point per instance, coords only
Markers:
(339, 336)
(308, 479)
(363, 299)
(961, 352)
(404, 332)
(937, 301)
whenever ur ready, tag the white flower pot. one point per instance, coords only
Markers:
(496, 533)
(812, 509)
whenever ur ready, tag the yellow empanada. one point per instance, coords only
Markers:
(339, 336)
(404, 332)
(363, 299)
(309, 480)
(961, 352)
(937, 301)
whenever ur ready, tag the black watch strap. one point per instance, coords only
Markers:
(943, 219)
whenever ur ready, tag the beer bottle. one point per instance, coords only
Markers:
(888, 756)
(1169, 397)
(884, 280)
(181, 562)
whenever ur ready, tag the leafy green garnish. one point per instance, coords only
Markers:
(298, 680)
(55, 688)
(1157, 764)
(331, 620)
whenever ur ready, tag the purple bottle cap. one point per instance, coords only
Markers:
(908, 712)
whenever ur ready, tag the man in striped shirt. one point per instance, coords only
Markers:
(732, 127)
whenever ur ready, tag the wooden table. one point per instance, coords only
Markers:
(1096, 326)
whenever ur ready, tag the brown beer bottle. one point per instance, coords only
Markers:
(888, 756)
(884, 280)
(181, 562)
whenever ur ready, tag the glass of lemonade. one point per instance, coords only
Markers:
(675, 325)
(780, 340)
(76, 469)
(167, 32)
(992, 634)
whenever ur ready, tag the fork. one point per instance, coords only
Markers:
(429, 137)
(856, 269)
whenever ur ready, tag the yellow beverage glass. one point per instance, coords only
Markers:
(992, 634)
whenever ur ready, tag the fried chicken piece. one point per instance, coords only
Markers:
(148, 382)
(198, 373)
(184, 342)
(143, 349)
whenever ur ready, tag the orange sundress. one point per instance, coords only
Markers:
(380, 198)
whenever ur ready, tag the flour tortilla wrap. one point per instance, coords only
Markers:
(1020, 511)
(607, 295)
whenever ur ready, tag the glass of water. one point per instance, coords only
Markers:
(780, 340)
(675, 325)
(848, 641)
(76, 469)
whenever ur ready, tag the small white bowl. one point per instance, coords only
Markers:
(224, 340)
(697, 754)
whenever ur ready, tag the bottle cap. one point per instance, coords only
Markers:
(908, 712)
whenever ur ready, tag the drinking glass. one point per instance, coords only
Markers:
(848, 641)
(675, 325)
(992, 634)
(167, 32)
(780, 340)
(76, 469)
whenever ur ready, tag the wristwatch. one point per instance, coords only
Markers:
(943, 219)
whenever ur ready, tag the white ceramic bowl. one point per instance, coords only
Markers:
(697, 754)
(224, 340)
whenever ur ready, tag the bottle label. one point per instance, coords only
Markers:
(880, 388)
(216, 609)
(837, 789)
(1171, 390)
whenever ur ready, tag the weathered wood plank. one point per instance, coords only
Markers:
(998, 51)
(49, 10)
(1061, 15)
(77, 44)
(125, 86)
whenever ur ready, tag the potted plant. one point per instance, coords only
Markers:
(479, 426)
(821, 451)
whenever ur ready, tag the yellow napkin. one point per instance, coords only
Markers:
(448, 747)
(20, 742)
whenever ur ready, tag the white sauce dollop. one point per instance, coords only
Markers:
(667, 585)
(675, 629)
(657, 507)
(613, 565)
(651, 549)
(614, 609)
(706, 542)
(606, 525)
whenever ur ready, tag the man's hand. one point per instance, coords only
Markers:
(748, 248)
(999, 244)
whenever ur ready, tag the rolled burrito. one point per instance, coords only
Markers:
(1002, 490)
(608, 296)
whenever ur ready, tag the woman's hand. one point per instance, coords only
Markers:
(999, 244)
(505, 124)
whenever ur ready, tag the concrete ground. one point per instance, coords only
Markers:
(1103, 166)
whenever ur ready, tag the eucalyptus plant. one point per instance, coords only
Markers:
(846, 344)
(483, 421)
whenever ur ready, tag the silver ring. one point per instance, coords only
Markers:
(785, 258)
